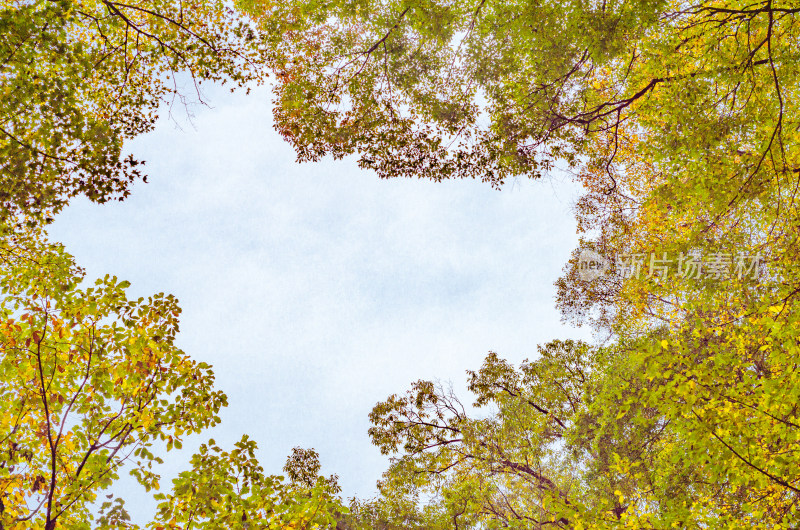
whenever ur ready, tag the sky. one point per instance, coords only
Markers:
(318, 290)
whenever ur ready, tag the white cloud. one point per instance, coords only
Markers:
(317, 290)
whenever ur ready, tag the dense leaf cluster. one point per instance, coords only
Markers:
(79, 77)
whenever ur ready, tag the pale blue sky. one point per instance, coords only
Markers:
(317, 290)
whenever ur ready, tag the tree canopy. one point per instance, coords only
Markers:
(498, 89)
(82, 77)
(680, 122)
(91, 381)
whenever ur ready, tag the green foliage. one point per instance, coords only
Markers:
(586, 438)
(497, 89)
(91, 383)
(90, 380)
(229, 490)
(302, 469)
(507, 468)
(681, 123)
(679, 120)
(79, 77)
